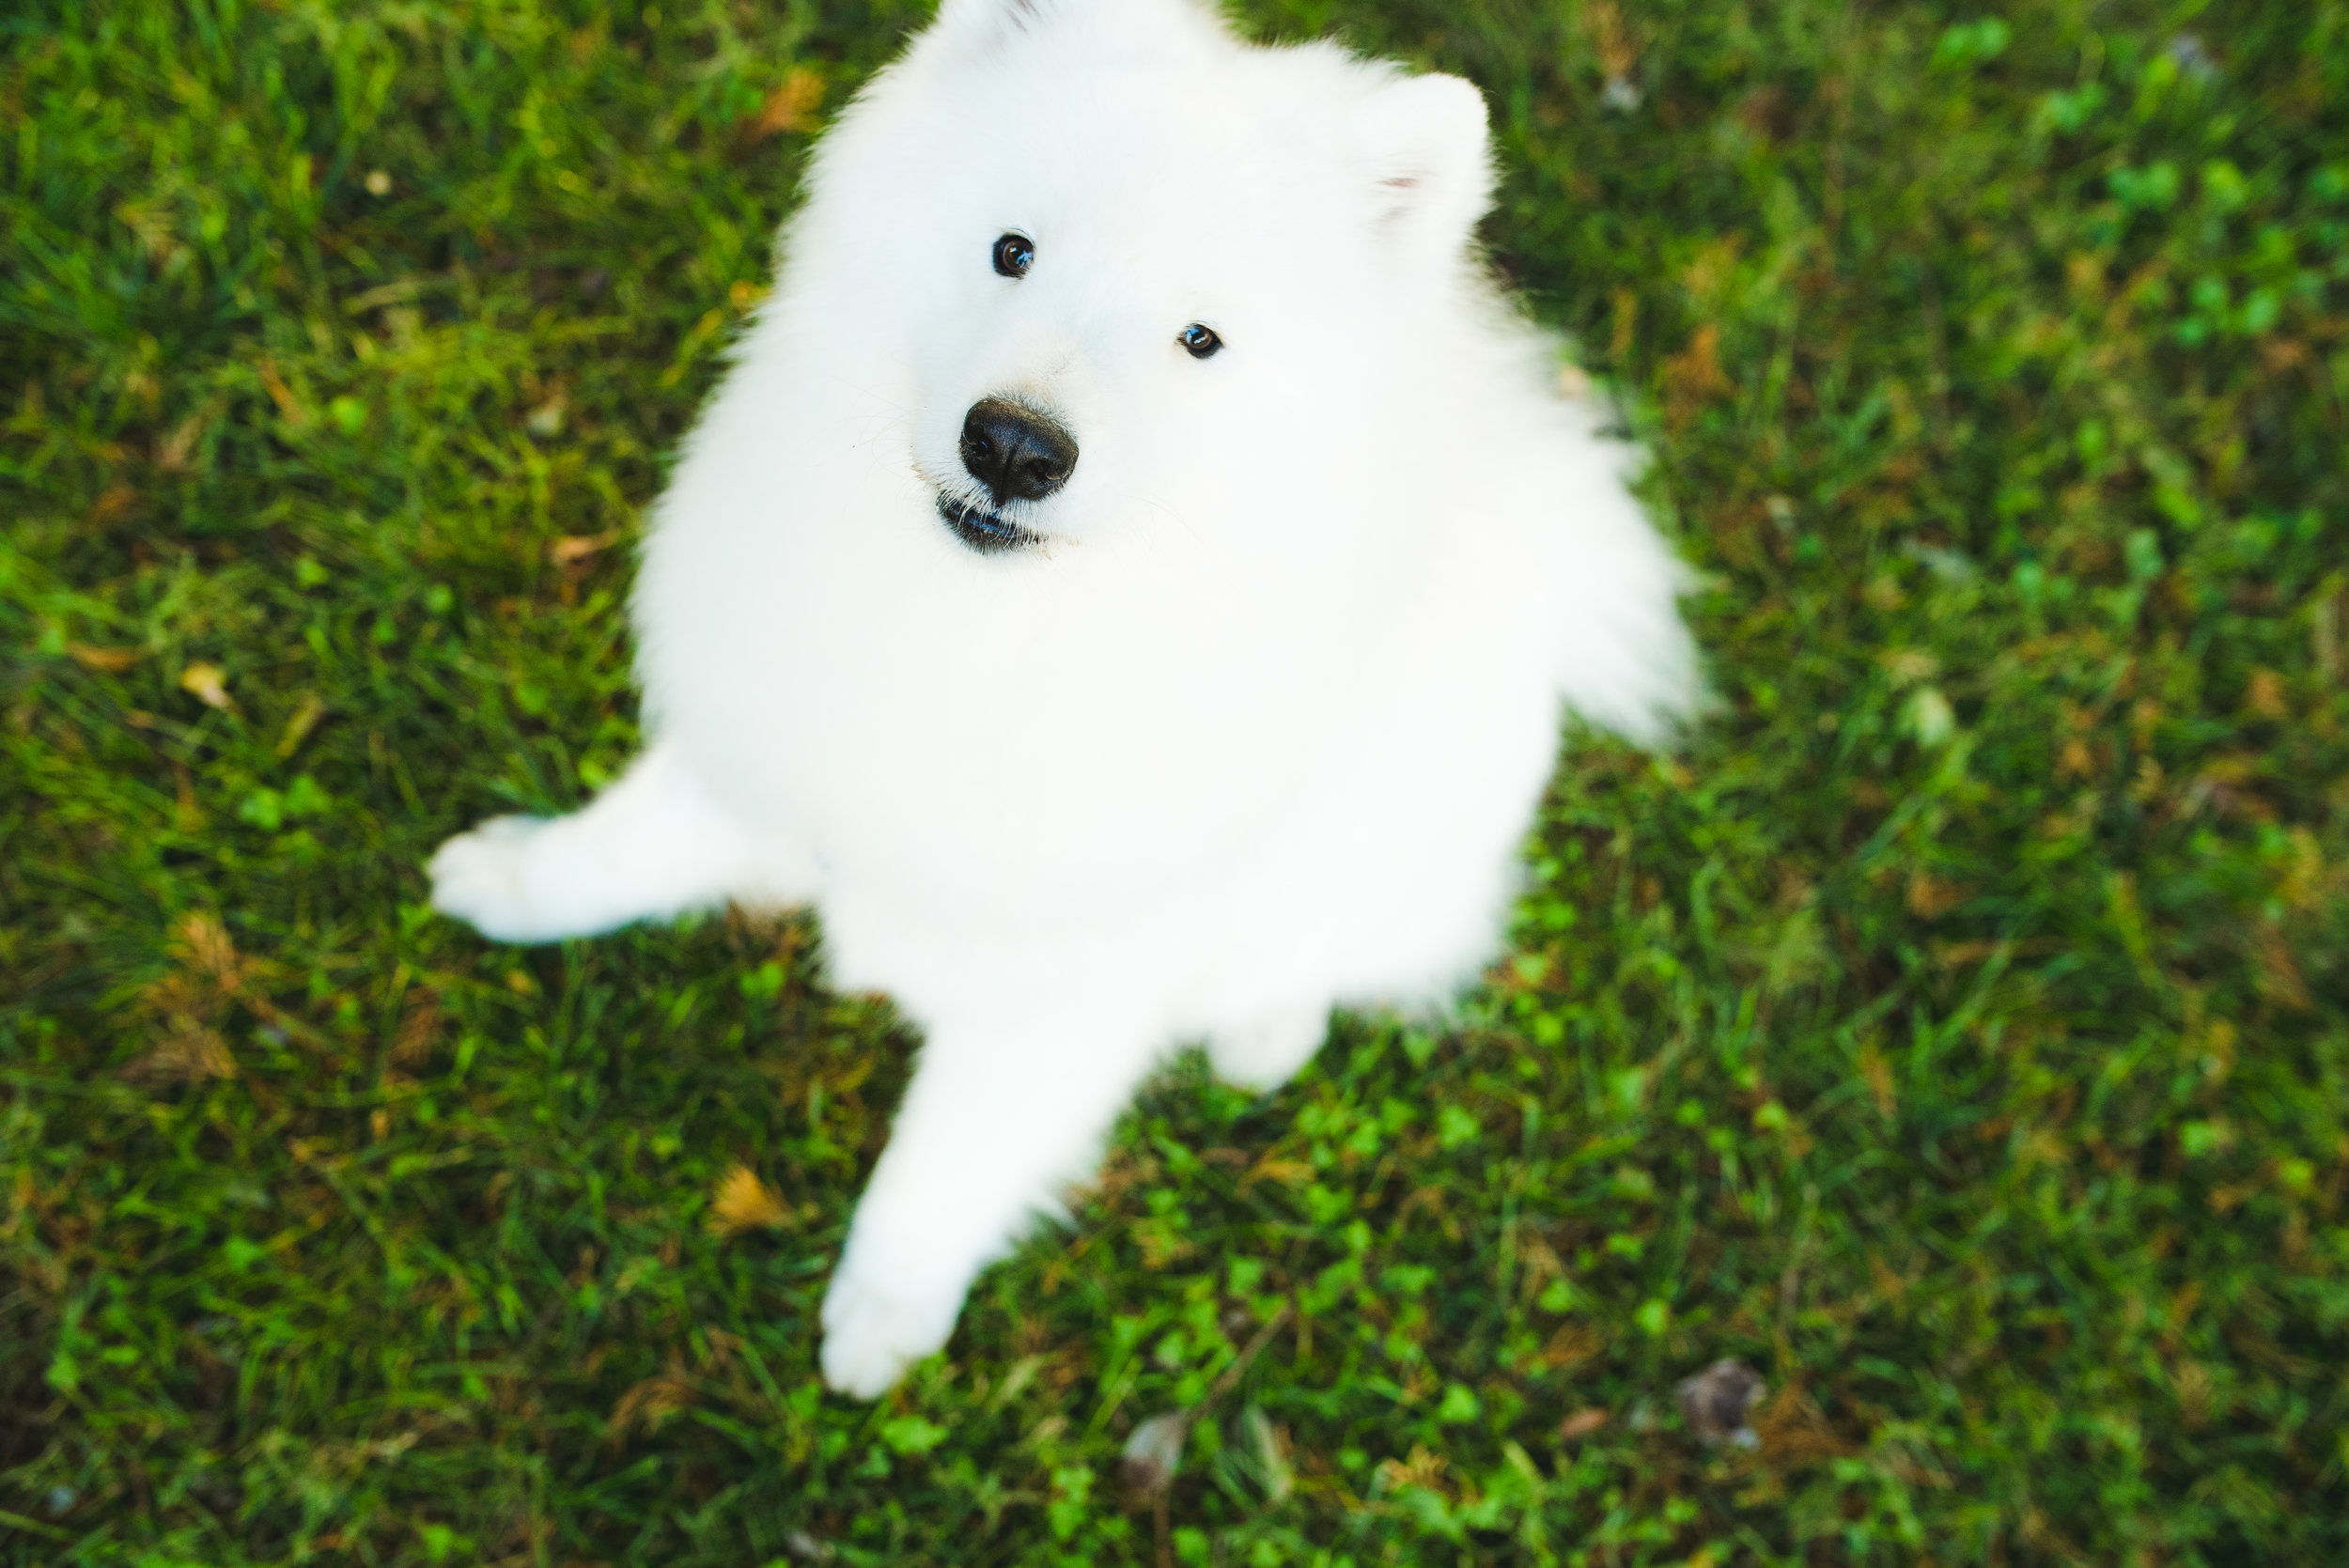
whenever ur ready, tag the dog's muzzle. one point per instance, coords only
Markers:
(1016, 454)
(989, 532)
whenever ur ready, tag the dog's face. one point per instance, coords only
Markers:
(1123, 275)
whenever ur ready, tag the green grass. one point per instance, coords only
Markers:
(1956, 1031)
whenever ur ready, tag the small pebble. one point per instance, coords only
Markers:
(1715, 1403)
(2193, 56)
(1154, 1452)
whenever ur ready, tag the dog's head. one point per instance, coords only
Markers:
(1111, 270)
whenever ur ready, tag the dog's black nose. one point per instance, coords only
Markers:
(1017, 453)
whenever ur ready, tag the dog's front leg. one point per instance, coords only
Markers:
(651, 846)
(1001, 1118)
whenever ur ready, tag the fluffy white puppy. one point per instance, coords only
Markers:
(1131, 579)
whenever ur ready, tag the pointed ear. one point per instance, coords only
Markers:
(993, 18)
(1420, 140)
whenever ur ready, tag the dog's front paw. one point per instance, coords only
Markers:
(874, 1330)
(1271, 1050)
(479, 877)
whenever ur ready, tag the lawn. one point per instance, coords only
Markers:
(1954, 1030)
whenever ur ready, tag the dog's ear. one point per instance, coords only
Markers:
(964, 13)
(995, 18)
(993, 22)
(1422, 141)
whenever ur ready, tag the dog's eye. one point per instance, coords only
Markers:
(1198, 340)
(1014, 254)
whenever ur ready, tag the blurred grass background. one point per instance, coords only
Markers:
(1957, 1032)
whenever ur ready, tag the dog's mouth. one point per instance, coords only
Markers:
(989, 532)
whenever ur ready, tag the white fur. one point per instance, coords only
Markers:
(1254, 732)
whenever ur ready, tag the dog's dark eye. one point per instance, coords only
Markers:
(1014, 254)
(1198, 340)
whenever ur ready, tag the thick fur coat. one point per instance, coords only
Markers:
(1232, 705)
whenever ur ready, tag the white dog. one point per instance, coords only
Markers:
(1133, 581)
